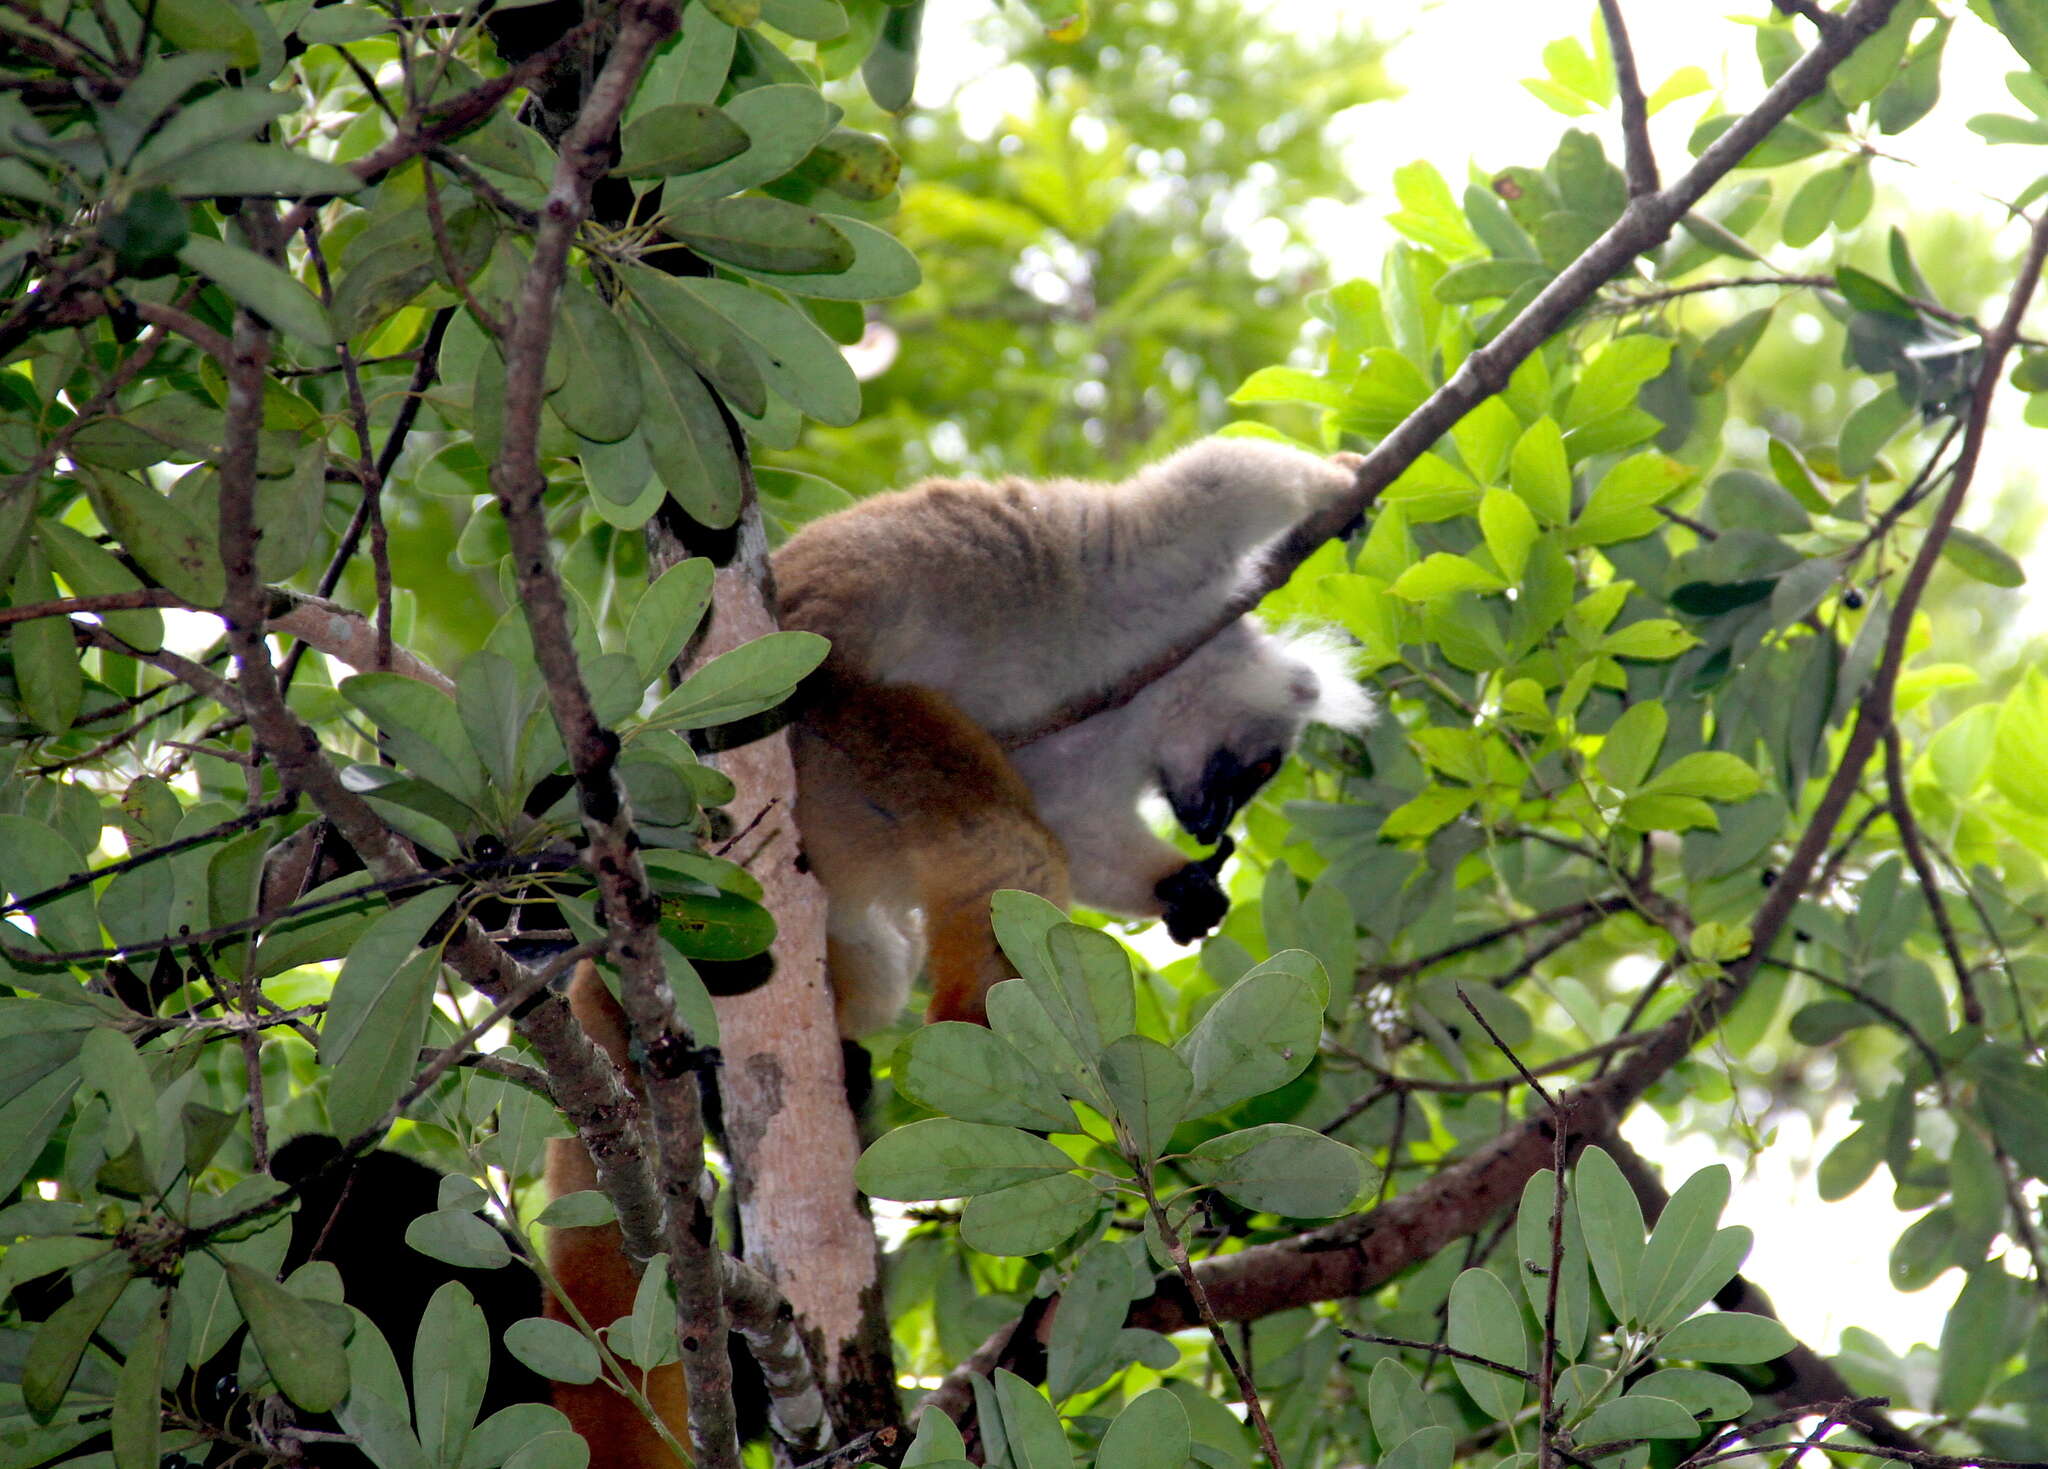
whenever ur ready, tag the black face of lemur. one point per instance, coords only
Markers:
(1227, 784)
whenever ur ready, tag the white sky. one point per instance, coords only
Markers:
(1462, 62)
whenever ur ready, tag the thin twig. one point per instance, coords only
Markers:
(1435, 1349)
(1930, 884)
(1635, 114)
(1177, 1251)
(134, 597)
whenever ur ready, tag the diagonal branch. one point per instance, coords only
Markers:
(1646, 223)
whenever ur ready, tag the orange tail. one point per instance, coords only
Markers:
(591, 1265)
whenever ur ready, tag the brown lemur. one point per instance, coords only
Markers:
(961, 613)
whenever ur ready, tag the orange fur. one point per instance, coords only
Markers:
(903, 801)
(591, 1266)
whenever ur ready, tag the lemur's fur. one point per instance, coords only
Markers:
(961, 612)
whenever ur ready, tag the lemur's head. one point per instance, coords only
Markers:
(1239, 710)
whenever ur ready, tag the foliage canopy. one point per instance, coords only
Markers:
(458, 364)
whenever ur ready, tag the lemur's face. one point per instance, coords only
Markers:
(1225, 784)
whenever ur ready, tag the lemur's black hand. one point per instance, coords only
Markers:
(1195, 900)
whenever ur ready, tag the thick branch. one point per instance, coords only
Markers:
(344, 634)
(670, 1067)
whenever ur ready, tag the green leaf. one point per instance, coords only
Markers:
(1426, 1448)
(1031, 1218)
(724, 926)
(747, 680)
(890, 70)
(647, 1337)
(138, 1397)
(600, 393)
(1622, 505)
(1510, 530)
(763, 235)
(1638, 1415)
(380, 999)
(1150, 1433)
(1289, 385)
(258, 170)
(559, 1449)
(1706, 1395)
(2019, 745)
(1609, 383)
(1655, 638)
(1484, 280)
(1532, 1240)
(1683, 1232)
(969, 1072)
(796, 360)
(159, 534)
(1278, 1168)
(1032, 1427)
(1727, 1336)
(204, 25)
(1098, 1293)
(451, 1359)
(1812, 209)
(678, 138)
(253, 282)
(1148, 1088)
(1541, 474)
(945, 1159)
(458, 1237)
(1870, 427)
(881, 268)
(1973, 1341)
(1612, 1221)
(338, 25)
(60, 1342)
(34, 857)
(1259, 1036)
(1440, 574)
(230, 113)
(668, 614)
(1867, 293)
(1710, 775)
(704, 338)
(554, 1349)
(1630, 747)
(783, 123)
(1387, 389)
(1723, 353)
(852, 164)
(1485, 1321)
(2001, 127)
(88, 568)
(299, 1346)
(1982, 559)
(2026, 27)
(1485, 438)
(423, 729)
(624, 489)
(686, 436)
(46, 671)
